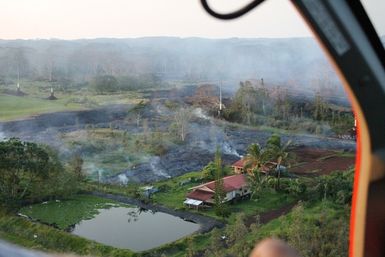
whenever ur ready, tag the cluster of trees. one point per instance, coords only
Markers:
(256, 159)
(191, 59)
(234, 240)
(313, 230)
(30, 172)
(336, 187)
(317, 226)
(109, 84)
(320, 234)
(258, 105)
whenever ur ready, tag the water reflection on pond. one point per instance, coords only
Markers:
(134, 228)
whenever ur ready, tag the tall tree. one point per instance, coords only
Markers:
(257, 182)
(76, 165)
(279, 152)
(255, 158)
(320, 107)
(219, 191)
(254, 161)
(282, 104)
(182, 119)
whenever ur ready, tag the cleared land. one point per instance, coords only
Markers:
(315, 162)
(19, 107)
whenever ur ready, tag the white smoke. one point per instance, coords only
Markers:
(198, 112)
(2, 136)
(123, 179)
(228, 149)
(156, 169)
(91, 169)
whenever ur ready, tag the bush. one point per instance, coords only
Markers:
(319, 234)
(105, 83)
(336, 187)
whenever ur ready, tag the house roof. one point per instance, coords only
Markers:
(239, 164)
(230, 183)
(200, 195)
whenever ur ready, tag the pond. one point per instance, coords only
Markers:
(134, 228)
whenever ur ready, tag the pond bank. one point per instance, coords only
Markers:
(206, 223)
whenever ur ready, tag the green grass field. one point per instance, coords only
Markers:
(16, 107)
(19, 107)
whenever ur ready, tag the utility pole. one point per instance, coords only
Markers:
(220, 99)
(18, 79)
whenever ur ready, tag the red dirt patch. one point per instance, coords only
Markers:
(317, 162)
(270, 215)
(311, 154)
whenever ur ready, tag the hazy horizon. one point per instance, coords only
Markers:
(91, 19)
(149, 37)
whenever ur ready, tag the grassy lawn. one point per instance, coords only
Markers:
(69, 212)
(15, 107)
(175, 195)
(175, 192)
(270, 200)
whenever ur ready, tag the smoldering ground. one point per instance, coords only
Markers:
(204, 135)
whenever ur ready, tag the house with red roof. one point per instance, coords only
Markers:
(235, 187)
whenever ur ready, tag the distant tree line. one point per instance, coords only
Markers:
(109, 83)
(259, 105)
(190, 59)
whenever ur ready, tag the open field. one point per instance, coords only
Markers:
(313, 162)
(14, 107)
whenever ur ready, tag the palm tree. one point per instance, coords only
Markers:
(257, 182)
(254, 161)
(276, 150)
(255, 157)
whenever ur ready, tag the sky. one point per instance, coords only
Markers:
(74, 19)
